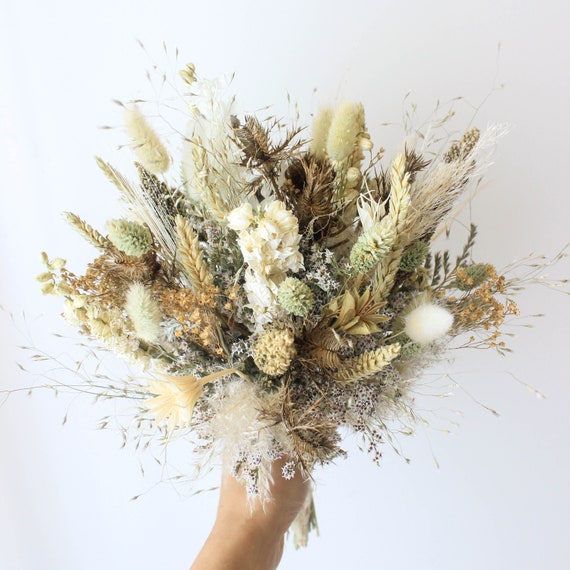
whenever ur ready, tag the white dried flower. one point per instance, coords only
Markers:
(269, 242)
(174, 400)
(427, 323)
(144, 312)
(241, 218)
(370, 212)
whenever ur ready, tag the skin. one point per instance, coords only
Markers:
(247, 539)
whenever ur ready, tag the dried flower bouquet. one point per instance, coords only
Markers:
(279, 290)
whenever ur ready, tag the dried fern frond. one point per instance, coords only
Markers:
(88, 232)
(367, 364)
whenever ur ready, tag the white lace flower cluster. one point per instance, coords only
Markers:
(269, 242)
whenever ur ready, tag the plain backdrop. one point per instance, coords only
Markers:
(500, 498)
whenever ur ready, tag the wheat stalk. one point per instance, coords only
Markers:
(368, 363)
(399, 206)
(88, 232)
(190, 256)
(146, 209)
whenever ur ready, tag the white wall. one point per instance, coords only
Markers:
(501, 497)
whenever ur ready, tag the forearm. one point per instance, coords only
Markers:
(240, 545)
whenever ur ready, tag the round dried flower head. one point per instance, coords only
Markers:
(295, 297)
(273, 351)
(414, 256)
(129, 237)
(427, 323)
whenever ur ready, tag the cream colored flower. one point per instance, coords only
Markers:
(175, 396)
(269, 242)
(174, 399)
(144, 312)
(240, 218)
(427, 323)
(370, 212)
(147, 146)
(274, 351)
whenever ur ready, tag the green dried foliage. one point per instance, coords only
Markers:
(414, 256)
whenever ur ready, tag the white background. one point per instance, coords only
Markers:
(501, 496)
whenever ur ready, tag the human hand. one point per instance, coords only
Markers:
(249, 538)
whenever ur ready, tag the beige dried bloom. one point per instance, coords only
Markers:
(147, 146)
(144, 312)
(321, 127)
(346, 126)
(273, 351)
(174, 399)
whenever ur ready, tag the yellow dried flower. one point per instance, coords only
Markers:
(174, 399)
(273, 352)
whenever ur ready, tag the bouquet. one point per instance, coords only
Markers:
(279, 288)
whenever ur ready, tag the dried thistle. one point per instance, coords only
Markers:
(309, 189)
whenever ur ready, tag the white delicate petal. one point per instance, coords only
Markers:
(240, 218)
